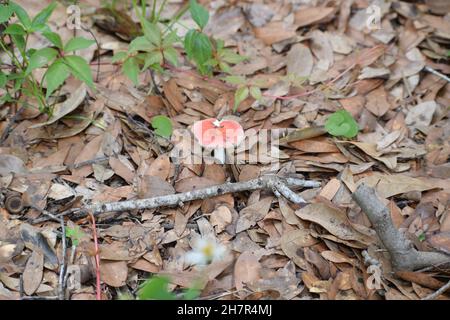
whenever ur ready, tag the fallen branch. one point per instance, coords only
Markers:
(436, 294)
(403, 255)
(265, 182)
(277, 184)
(98, 292)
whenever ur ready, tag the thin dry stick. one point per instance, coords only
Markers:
(62, 268)
(97, 259)
(437, 73)
(403, 255)
(438, 292)
(265, 182)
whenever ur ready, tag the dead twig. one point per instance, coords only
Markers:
(437, 73)
(403, 255)
(436, 294)
(62, 268)
(97, 259)
(265, 182)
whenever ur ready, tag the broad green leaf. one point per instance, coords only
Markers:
(80, 69)
(171, 55)
(40, 58)
(202, 51)
(78, 43)
(156, 288)
(152, 32)
(231, 57)
(162, 125)
(42, 17)
(5, 13)
(19, 41)
(15, 29)
(21, 14)
(255, 92)
(189, 43)
(131, 69)
(55, 76)
(3, 79)
(119, 56)
(191, 294)
(237, 80)
(224, 67)
(54, 38)
(198, 13)
(170, 39)
(240, 95)
(341, 123)
(140, 44)
(152, 58)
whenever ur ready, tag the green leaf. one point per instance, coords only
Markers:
(78, 43)
(140, 44)
(131, 69)
(80, 69)
(3, 79)
(255, 92)
(15, 29)
(201, 50)
(19, 41)
(171, 55)
(40, 58)
(231, 57)
(119, 56)
(240, 95)
(21, 14)
(75, 234)
(191, 294)
(189, 43)
(170, 39)
(224, 67)
(152, 58)
(198, 13)
(152, 32)
(341, 123)
(5, 13)
(55, 76)
(156, 288)
(54, 38)
(236, 80)
(42, 17)
(162, 125)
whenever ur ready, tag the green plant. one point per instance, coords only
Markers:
(75, 234)
(162, 125)
(342, 123)
(60, 59)
(245, 88)
(156, 288)
(158, 44)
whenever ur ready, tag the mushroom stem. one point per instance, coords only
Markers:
(219, 154)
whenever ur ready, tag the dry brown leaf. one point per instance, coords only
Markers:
(159, 167)
(32, 275)
(333, 220)
(220, 218)
(250, 215)
(307, 16)
(246, 269)
(292, 243)
(114, 273)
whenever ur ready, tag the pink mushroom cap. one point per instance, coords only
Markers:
(212, 133)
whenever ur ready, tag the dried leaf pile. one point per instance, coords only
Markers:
(99, 146)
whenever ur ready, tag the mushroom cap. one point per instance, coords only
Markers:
(212, 133)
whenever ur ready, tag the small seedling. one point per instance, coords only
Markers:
(244, 89)
(342, 124)
(75, 234)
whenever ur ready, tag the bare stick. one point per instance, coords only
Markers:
(436, 294)
(62, 268)
(403, 255)
(437, 73)
(264, 182)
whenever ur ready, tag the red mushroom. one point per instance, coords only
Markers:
(218, 135)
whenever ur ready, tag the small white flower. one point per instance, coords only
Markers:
(204, 251)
